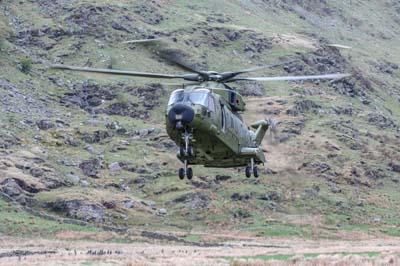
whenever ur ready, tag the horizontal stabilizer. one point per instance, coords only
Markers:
(259, 123)
(261, 127)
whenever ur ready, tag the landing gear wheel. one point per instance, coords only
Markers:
(181, 173)
(190, 151)
(248, 171)
(255, 171)
(189, 173)
(181, 151)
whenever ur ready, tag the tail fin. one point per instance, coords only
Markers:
(261, 128)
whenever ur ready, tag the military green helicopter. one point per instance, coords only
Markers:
(203, 117)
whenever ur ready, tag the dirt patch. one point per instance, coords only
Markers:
(286, 41)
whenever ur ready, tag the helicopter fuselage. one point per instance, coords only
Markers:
(217, 135)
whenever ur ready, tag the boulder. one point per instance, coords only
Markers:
(193, 200)
(109, 204)
(91, 167)
(395, 167)
(96, 136)
(302, 107)
(238, 197)
(161, 212)
(74, 178)
(222, 177)
(11, 188)
(129, 204)
(78, 209)
(380, 121)
(270, 196)
(45, 124)
(114, 167)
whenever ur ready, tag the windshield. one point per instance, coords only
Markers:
(194, 97)
(198, 98)
(176, 96)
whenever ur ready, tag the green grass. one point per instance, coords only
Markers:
(16, 222)
(285, 257)
(193, 238)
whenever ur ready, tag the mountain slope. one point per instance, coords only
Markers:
(94, 148)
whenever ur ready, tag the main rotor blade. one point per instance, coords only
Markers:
(327, 76)
(230, 74)
(159, 46)
(115, 72)
(143, 41)
(341, 46)
(257, 68)
(174, 57)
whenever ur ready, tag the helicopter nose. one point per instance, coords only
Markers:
(181, 112)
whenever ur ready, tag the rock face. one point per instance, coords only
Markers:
(395, 167)
(90, 19)
(8, 140)
(89, 95)
(18, 190)
(91, 167)
(380, 121)
(92, 97)
(45, 124)
(193, 200)
(114, 167)
(78, 209)
(11, 188)
(148, 13)
(125, 109)
(302, 106)
(96, 136)
(239, 197)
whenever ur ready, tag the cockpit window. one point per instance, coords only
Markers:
(194, 97)
(198, 97)
(176, 97)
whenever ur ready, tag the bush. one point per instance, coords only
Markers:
(26, 65)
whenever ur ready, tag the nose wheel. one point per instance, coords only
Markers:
(186, 171)
(252, 170)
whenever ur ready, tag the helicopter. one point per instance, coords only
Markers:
(203, 117)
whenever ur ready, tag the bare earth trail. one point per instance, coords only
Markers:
(20, 251)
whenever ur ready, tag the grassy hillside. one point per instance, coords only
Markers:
(94, 148)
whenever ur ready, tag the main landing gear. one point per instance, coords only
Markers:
(187, 171)
(186, 151)
(251, 169)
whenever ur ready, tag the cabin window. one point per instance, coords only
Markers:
(232, 97)
(211, 105)
(223, 117)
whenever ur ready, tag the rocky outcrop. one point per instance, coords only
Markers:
(395, 167)
(380, 121)
(302, 107)
(193, 200)
(96, 136)
(91, 167)
(18, 190)
(78, 209)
